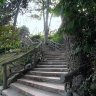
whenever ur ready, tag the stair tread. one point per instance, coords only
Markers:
(33, 91)
(60, 57)
(48, 53)
(46, 77)
(52, 65)
(11, 92)
(54, 54)
(51, 68)
(49, 72)
(46, 84)
(55, 62)
(44, 73)
(48, 63)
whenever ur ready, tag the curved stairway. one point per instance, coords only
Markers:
(44, 80)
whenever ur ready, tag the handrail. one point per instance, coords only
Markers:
(55, 45)
(21, 56)
(20, 65)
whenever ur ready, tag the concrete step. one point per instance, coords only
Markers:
(43, 73)
(31, 91)
(43, 78)
(52, 66)
(50, 60)
(50, 87)
(55, 58)
(54, 53)
(12, 92)
(52, 69)
(53, 63)
(59, 56)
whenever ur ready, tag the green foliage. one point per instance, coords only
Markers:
(24, 31)
(36, 37)
(93, 84)
(89, 86)
(9, 9)
(79, 20)
(57, 37)
(2, 1)
(57, 10)
(8, 38)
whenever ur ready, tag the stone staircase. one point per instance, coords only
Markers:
(44, 80)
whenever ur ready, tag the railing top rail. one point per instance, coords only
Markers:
(8, 62)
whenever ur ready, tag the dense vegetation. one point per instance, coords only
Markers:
(11, 36)
(8, 38)
(78, 20)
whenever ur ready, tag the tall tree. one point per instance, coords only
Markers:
(45, 7)
(46, 29)
(10, 9)
(17, 11)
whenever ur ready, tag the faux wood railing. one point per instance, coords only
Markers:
(12, 70)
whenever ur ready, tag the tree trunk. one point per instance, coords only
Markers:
(46, 21)
(43, 14)
(50, 23)
(17, 11)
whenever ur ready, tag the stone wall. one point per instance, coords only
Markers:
(69, 42)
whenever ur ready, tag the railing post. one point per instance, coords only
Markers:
(41, 51)
(55, 46)
(8, 77)
(5, 77)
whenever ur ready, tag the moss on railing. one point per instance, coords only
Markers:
(20, 64)
(5, 58)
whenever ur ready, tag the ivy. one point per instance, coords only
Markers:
(8, 38)
(2, 1)
(80, 18)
